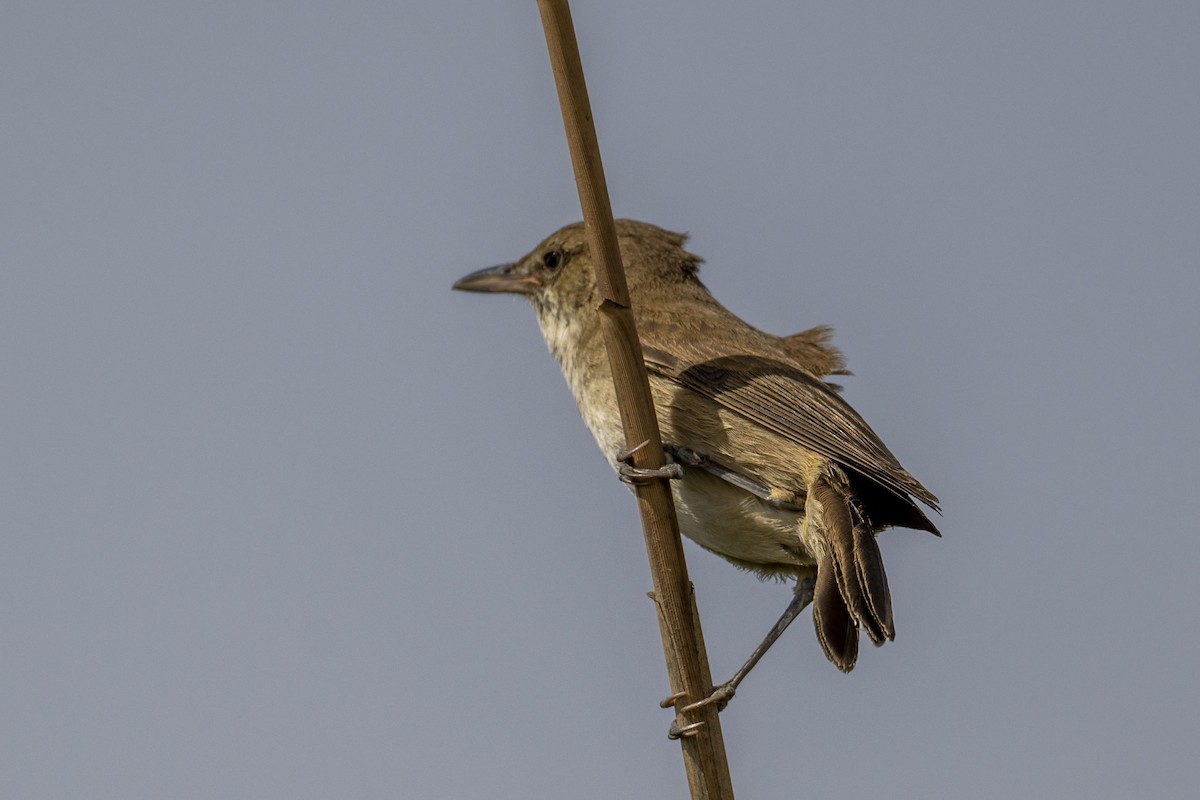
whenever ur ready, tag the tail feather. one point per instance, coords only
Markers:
(872, 579)
(852, 569)
(836, 630)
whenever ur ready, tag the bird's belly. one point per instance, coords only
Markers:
(739, 526)
(713, 513)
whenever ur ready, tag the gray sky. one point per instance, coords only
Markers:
(283, 516)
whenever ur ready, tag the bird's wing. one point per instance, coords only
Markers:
(791, 403)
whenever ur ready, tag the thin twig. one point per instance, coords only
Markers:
(704, 754)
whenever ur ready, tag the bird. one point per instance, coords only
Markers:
(772, 469)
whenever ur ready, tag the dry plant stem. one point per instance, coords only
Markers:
(707, 769)
(722, 765)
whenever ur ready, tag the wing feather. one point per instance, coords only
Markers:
(793, 404)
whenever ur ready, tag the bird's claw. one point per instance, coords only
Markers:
(635, 476)
(678, 731)
(721, 695)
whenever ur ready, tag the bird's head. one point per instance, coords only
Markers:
(558, 274)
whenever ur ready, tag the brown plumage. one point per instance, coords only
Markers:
(781, 475)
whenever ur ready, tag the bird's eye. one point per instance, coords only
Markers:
(552, 260)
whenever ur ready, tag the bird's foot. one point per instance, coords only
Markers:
(677, 731)
(724, 692)
(634, 476)
(721, 695)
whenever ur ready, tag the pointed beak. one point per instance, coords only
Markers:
(502, 278)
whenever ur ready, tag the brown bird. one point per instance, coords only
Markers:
(776, 472)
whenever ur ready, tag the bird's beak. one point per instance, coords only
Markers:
(501, 278)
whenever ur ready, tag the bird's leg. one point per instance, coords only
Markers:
(691, 458)
(722, 694)
(633, 476)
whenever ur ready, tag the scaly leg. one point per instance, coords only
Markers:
(723, 693)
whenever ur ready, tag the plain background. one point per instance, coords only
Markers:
(283, 516)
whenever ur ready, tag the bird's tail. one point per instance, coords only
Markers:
(851, 589)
